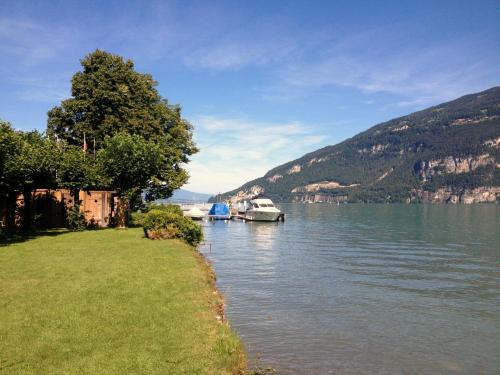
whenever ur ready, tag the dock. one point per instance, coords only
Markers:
(234, 213)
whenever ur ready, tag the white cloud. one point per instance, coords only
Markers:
(238, 53)
(421, 76)
(48, 89)
(30, 53)
(31, 42)
(235, 150)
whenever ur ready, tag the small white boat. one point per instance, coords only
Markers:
(195, 213)
(262, 209)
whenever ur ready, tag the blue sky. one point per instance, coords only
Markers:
(263, 82)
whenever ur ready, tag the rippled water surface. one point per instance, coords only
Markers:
(365, 289)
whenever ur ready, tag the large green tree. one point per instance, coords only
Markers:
(108, 97)
(129, 163)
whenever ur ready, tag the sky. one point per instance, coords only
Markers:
(262, 82)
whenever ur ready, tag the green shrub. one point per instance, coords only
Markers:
(92, 224)
(76, 219)
(137, 218)
(173, 208)
(191, 231)
(161, 223)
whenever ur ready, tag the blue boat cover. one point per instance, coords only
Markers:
(219, 209)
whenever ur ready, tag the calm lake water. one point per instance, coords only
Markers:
(365, 289)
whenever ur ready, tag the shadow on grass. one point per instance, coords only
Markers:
(10, 238)
(16, 237)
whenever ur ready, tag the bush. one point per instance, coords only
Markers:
(137, 218)
(92, 224)
(161, 223)
(76, 219)
(173, 208)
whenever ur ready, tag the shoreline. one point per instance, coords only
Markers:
(220, 309)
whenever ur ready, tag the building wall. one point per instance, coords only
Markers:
(50, 206)
(99, 206)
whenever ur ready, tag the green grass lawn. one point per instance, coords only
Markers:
(110, 302)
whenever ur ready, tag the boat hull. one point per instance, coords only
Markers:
(194, 217)
(195, 214)
(219, 217)
(262, 215)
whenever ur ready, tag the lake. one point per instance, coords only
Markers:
(365, 289)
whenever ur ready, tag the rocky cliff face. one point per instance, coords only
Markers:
(455, 195)
(245, 194)
(324, 185)
(452, 165)
(319, 198)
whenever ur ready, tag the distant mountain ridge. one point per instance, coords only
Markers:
(182, 195)
(446, 153)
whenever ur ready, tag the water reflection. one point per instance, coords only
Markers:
(263, 235)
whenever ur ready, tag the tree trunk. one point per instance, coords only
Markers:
(122, 214)
(10, 214)
(75, 193)
(26, 223)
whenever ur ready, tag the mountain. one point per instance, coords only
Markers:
(446, 153)
(181, 195)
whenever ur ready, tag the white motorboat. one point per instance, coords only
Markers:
(262, 209)
(195, 213)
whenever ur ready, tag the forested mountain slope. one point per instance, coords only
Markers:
(446, 153)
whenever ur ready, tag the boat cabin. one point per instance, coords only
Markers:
(261, 202)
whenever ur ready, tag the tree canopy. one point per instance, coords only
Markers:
(129, 162)
(76, 170)
(110, 97)
(28, 161)
(8, 146)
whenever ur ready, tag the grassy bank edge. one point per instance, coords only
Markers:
(241, 364)
(228, 348)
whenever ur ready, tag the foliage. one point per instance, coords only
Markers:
(76, 219)
(173, 208)
(115, 283)
(32, 164)
(128, 162)
(137, 218)
(459, 128)
(29, 161)
(9, 142)
(110, 97)
(76, 169)
(167, 224)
